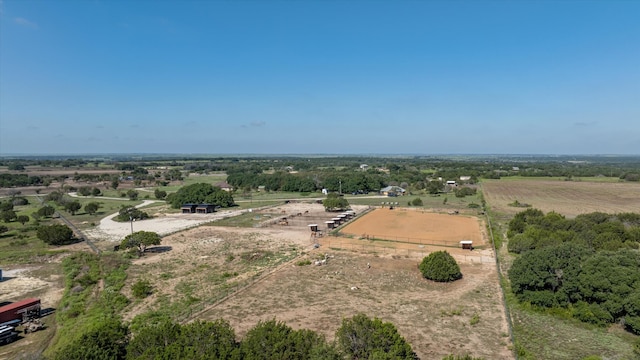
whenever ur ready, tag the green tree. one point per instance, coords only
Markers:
(363, 338)
(160, 194)
(435, 186)
(132, 194)
(54, 196)
(106, 340)
(84, 191)
(55, 234)
(46, 211)
(6, 205)
(92, 208)
(73, 206)
(194, 341)
(173, 175)
(440, 266)
(275, 340)
(8, 216)
(335, 202)
(20, 201)
(96, 192)
(549, 276)
(127, 213)
(201, 193)
(15, 167)
(416, 202)
(22, 219)
(140, 240)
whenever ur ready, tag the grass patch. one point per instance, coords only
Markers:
(243, 220)
(81, 307)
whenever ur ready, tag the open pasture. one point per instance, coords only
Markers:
(435, 318)
(569, 198)
(245, 275)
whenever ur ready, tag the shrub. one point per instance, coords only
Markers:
(440, 266)
(363, 338)
(461, 357)
(55, 234)
(141, 289)
(475, 319)
(632, 324)
(416, 202)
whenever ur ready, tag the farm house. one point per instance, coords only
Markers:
(392, 191)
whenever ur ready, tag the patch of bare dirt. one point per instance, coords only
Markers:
(249, 274)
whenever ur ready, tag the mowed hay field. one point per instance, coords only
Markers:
(415, 226)
(569, 198)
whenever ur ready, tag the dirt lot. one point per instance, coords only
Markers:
(249, 274)
(42, 281)
(418, 227)
(569, 198)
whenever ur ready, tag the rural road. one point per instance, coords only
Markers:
(163, 224)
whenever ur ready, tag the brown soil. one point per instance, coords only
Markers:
(417, 227)
(435, 318)
(569, 198)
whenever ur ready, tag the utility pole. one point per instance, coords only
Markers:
(340, 192)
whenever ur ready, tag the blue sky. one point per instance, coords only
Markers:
(336, 77)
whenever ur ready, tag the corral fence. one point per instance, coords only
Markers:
(400, 239)
(305, 218)
(396, 249)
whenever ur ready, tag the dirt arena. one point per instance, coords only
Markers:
(418, 227)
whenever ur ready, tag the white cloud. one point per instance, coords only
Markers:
(585, 124)
(254, 124)
(26, 23)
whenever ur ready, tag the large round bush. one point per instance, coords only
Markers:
(440, 266)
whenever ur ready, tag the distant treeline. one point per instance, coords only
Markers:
(587, 267)
(313, 173)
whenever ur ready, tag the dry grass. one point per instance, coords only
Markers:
(569, 198)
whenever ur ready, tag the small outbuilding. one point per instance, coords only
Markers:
(188, 208)
(467, 244)
(205, 208)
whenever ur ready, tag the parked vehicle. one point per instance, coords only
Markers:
(7, 334)
(22, 310)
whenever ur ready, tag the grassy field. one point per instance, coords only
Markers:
(195, 179)
(541, 335)
(20, 244)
